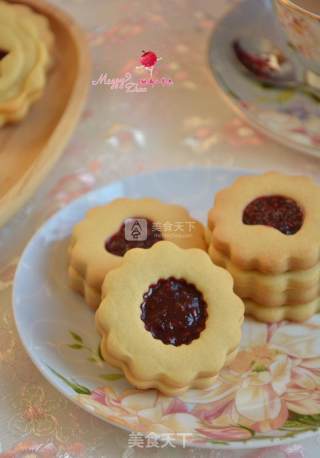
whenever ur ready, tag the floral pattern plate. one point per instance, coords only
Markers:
(269, 395)
(287, 115)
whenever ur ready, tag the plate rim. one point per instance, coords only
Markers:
(52, 379)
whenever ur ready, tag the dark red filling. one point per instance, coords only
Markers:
(276, 211)
(3, 53)
(174, 311)
(118, 244)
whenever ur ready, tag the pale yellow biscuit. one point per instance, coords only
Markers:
(78, 284)
(270, 289)
(146, 361)
(259, 247)
(200, 383)
(297, 313)
(87, 253)
(41, 22)
(27, 39)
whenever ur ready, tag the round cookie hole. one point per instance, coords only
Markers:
(134, 232)
(174, 311)
(277, 211)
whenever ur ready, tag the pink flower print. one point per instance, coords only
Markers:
(142, 411)
(69, 188)
(274, 382)
(239, 133)
(276, 371)
(7, 273)
(231, 433)
(289, 451)
(125, 138)
(201, 134)
(29, 448)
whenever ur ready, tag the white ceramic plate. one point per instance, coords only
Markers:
(270, 395)
(287, 116)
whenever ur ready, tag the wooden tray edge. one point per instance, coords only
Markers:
(28, 184)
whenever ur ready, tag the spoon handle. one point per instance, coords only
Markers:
(310, 91)
(311, 85)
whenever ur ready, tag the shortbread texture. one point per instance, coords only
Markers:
(148, 362)
(27, 40)
(263, 248)
(277, 275)
(89, 261)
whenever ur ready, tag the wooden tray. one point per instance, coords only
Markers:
(28, 150)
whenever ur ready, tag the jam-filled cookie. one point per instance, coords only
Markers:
(169, 318)
(265, 232)
(26, 42)
(100, 241)
(271, 290)
(269, 223)
(299, 312)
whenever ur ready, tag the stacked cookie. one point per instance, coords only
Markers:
(100, 241)
(26, 43)
(265, 231)
(167, 316)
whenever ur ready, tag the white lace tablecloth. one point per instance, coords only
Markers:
(122, 134)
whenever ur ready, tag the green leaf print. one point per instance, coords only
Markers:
(79, 344)
(302, 422)
(77, 388)
(76, 336)
(75, 346)
(111, 377)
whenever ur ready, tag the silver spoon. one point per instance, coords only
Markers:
(269, 65)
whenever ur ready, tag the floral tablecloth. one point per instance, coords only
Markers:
(182, 121)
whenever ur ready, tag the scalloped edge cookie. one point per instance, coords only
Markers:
(42, 23)
(147, 362)
(262, 248)
(296, 313)
(28, 76)
(271, 290)
(78, 284)
(87, 253)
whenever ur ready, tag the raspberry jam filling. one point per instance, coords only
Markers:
(3, 54)
(174, 311)
(276, 211)
(135, 232)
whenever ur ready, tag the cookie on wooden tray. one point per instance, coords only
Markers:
(41, 22)
(102, 238)
(26, 42)
(169, 318)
